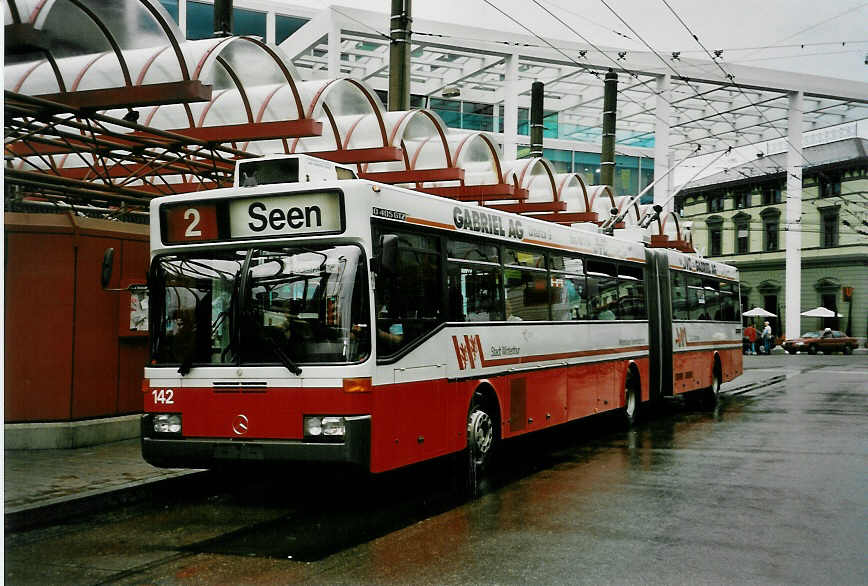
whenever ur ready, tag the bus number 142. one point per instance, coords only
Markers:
(164, 396)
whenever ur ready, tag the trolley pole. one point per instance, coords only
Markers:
(399, 56)
(610, 107)
(536, 119)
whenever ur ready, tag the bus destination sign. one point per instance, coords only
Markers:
(285, 215)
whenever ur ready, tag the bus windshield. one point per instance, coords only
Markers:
(290, 305)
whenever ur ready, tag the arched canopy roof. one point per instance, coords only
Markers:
(421, 134)
(602, 201)
(342, 104)
(477, 154)
(537, 175)
(572, 191)
(90, 44)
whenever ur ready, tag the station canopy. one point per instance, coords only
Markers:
(107, 105)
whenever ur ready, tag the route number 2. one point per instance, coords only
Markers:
(193, 215)
(164, 396)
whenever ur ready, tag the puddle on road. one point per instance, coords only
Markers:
(357, 510)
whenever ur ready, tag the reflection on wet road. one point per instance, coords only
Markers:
(770, 488)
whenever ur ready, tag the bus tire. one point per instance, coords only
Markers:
(632, 401)
(711, 395)
(481, 434)
(482, 439)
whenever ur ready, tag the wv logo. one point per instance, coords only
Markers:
(681, 337)
(468, 351)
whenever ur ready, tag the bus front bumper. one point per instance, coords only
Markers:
(181, 452)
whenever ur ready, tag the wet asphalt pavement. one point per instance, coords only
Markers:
(769, 488)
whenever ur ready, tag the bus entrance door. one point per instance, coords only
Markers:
(659, 323)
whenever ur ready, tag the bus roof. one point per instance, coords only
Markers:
(396, 204)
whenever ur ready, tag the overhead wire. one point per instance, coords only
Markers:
(731, 77)
(582, 66)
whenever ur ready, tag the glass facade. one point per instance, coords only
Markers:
(248, 22)
(286, 25)
(171, 7)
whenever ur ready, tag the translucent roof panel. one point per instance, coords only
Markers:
(602, 201)
(571, 189)
(477, 155)
(339, 104)
(537, 176)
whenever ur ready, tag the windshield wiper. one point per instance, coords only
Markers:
(288, 362)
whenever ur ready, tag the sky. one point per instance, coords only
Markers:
(834, 32)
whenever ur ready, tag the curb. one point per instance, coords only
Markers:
(755, 385)
(67, 508)
(70, 434)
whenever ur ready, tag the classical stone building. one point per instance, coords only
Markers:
(738, 217)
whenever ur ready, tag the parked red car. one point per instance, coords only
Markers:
(828, 341)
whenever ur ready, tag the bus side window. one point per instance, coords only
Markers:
(679, 295)
(631, 292)
(408, 303)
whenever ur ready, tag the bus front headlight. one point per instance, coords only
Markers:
(324, 427)
(167, 423)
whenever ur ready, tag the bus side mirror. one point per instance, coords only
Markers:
(387, 263)
(108, 262)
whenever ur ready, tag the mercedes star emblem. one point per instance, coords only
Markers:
(239, 424)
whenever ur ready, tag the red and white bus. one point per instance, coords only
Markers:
(342, 320)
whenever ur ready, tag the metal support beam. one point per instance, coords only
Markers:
(334, 44)
(510, 109)
(610, 107)
(399, 56)
(661, 143)
(536, 119)
(793, 235)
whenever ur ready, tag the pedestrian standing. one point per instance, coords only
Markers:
(767, 338)
(750, 333)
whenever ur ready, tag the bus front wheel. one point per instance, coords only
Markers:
(480, 435)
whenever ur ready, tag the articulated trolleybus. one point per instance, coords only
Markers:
(306, 315)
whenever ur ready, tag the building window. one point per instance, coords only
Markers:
(772, 193)
(742, 233)
(741, 199)
(715, 235)
(715, 240)
(771, 226)
(829, 227)
(830, 184)
(770, 230)
(715, 202)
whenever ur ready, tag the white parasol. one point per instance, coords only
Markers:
(820, 312)
(759, 312)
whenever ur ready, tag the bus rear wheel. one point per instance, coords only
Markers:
(711, 395)
(631, 402)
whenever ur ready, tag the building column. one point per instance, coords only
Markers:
(663, 111)
(793, 227)
(182, 17)
(334, 44)
(510, 109)
(271, 27)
